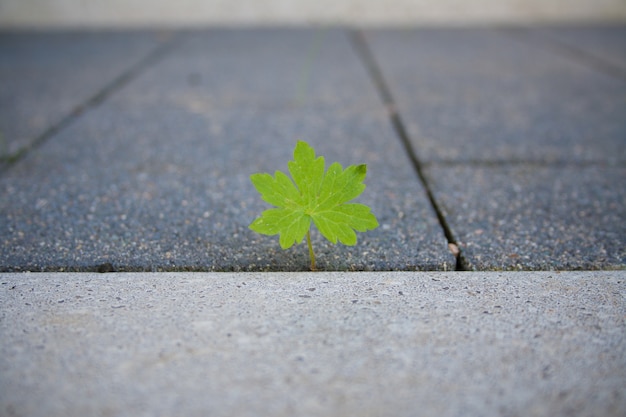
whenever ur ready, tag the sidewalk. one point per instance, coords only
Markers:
(142, 145)
(132, 151)
(313, 344)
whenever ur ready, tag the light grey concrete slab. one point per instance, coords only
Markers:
(313, 344)
(45, 76)
(147, 181)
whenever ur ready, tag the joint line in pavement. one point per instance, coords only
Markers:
(369, 61)
(120, 81)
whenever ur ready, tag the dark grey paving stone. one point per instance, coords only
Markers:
(259, 68)
(44, 76)
(523, 146)
(160, 187)
(606, 43)
(535, 217)
(480, 95)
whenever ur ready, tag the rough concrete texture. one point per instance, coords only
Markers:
(44, 77)
(157, 176)
(313, 344)
(522, 141)
(535, 217)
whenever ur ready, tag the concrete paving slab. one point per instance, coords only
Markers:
(522, 146)
(149, 182)
(45, 76)
(313, 344)
(259, 68)
(476, 95)
(535, 217)
(605, 43)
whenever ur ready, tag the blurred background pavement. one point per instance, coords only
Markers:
(185, 13)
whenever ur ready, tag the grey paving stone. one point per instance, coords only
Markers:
(479, 95)
(165, 185)
(259, 68)
(606, 43)
(313, 344)
(535, 217)
(523, 146)
(45, 76)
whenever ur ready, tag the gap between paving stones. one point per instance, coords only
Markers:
(6, 161)
(567, 50)
(369, 61)
(126, 107)
(584, 60)
(371, 66)
(487, 163)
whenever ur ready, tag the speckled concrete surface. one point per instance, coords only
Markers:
(535, 217)
(45, 76)
(156, 177)
(313, 344)
(521, 139)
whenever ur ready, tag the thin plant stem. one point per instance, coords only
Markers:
(311, 253)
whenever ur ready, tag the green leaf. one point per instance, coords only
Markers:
(313, 196)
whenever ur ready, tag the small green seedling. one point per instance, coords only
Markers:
(318, 196)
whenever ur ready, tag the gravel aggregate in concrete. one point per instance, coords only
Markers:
(522, 143)
(535, 217)
(313, 344)
(146, 181)
(45, 76)
(155, 177)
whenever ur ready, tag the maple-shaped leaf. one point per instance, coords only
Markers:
(313, 195)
